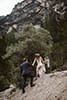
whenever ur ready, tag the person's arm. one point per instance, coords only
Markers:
(34, 62)
(21, 69)
(48, 63)
(42, 60)
(45, 61)
(30, 66)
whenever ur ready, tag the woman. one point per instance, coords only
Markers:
(40, 68)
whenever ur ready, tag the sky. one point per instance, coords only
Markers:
(6, 6)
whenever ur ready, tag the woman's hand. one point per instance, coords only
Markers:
(32, 64)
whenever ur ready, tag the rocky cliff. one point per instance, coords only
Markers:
(32, 11)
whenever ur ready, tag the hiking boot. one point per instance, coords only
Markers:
(23, 91)
(38, 75)
(32, 85)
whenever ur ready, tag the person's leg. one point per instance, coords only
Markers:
(37, 72)
(46, 68)
(31, 79)
(23, 83)
(41, 71)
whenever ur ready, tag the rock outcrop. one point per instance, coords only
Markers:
(5, 95)
(49, 87)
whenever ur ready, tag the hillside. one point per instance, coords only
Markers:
(27, 12)
(49, 14)
(49, 87)
(39, 26)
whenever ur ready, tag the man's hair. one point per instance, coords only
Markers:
(24, 59)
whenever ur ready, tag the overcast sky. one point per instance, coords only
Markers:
(6, 6)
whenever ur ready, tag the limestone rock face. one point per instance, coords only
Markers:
(32, 12)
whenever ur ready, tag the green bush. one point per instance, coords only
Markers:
(4, 83)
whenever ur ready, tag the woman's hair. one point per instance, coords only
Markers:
(37, 55)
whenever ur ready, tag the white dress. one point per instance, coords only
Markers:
(40, 67)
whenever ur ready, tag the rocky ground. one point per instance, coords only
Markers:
(48, 87)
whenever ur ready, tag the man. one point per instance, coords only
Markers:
(26, 72)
